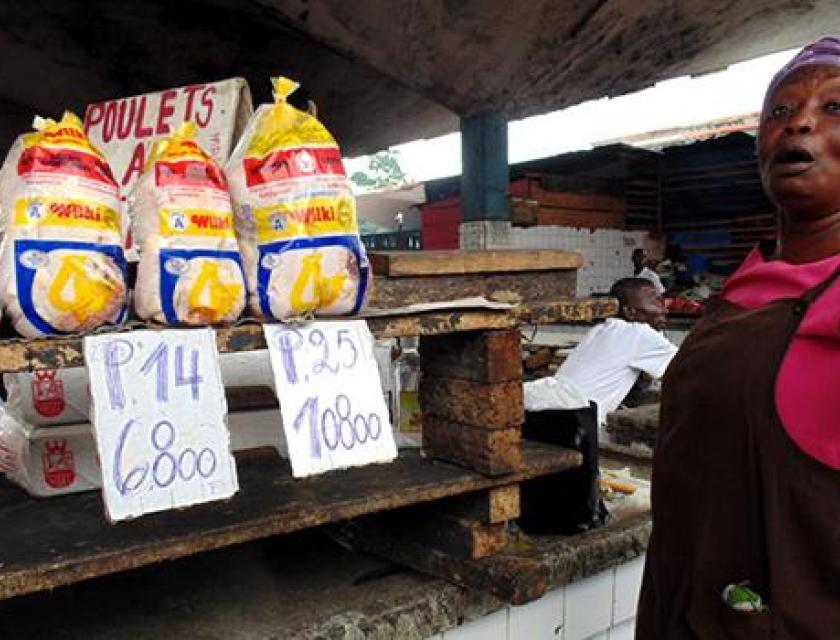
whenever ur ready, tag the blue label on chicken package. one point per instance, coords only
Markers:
(195, 276)
(81, 284)
(270, 259)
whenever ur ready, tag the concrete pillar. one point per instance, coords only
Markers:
(485, 172)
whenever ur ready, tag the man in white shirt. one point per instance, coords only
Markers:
(642, 270)
(607, 362)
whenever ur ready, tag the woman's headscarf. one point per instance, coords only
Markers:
(825, 51)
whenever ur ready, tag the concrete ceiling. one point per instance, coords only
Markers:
(383, 71)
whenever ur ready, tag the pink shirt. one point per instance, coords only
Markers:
(808, 384)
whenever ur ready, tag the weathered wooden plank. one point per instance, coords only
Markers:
(465, 261)
(524, 286)
(487, 356)
(58, 541)
(580, 218)
(582, 201)
(58, 353)
(523, 212)
(488, 406)
(516, 577)
(490, 451)
(568, 310)
(512, 579)
(493, 506)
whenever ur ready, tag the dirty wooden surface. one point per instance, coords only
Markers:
(57, 353)
(524, 571)
(58, 541)
(464, 261)
(523, 286)
(570, 310)
(489, 356)
(491, 406)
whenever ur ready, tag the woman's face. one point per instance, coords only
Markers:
(799, 144)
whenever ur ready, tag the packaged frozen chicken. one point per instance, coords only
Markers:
(58, 460)
(190, 270)
(62, 268)
(296, 215)
(54, 397)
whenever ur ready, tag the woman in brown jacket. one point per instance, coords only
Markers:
(746, 483)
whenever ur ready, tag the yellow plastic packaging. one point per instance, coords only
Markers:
(62, 268)
(190, 269)
(296, 215)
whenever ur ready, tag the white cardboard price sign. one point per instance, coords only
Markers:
(330, 395)
(158, 413)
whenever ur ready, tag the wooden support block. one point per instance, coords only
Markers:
(488, 507)
(461, 538)
(493, 452)
(511, 578)
(488, 356)
(540, 359)
(488, 406)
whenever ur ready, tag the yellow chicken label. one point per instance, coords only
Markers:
(312, 217)
(79, 289)
(196, 222)
(210, 297)
(311, 289)
(66, 212)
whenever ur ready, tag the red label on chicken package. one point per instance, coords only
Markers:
(59, 466)
(293, 163)
(64, 162)
(48, 394)
(190, 173)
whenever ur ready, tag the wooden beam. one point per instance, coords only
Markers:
(61, 352)
(489, 406)
(486, 356)
(568, 311)
(464, 262)
(492, 452)
(519, 286)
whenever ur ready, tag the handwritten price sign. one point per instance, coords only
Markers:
(330, 396)
(158, 413)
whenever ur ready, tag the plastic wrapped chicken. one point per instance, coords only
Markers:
(190, 270)
(62, 268)
(296, 215)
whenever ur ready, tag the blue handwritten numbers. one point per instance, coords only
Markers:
(159, 420)
(330, 395)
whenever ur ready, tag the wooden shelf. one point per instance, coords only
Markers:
(61, 352)
(57, 541)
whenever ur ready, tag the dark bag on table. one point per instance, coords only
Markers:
(568, 502)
